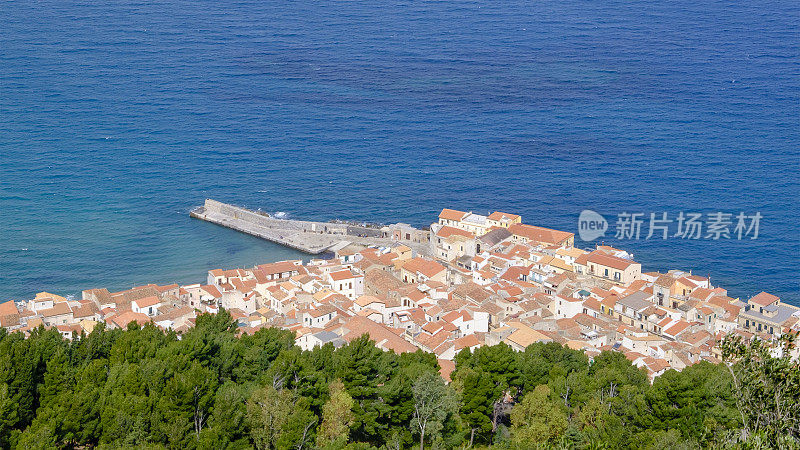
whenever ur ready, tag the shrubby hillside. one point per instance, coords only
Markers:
(142, 388)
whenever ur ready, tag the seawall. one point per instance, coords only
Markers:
(306, 236)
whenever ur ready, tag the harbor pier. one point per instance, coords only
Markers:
(309, 237)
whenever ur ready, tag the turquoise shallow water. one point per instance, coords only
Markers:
(117, 117)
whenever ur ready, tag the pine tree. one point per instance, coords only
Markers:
(337, 416)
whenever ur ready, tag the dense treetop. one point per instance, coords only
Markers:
(211, 389)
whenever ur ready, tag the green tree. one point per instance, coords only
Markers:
(7, 416)
(537, 419)
(81, 423)
(268, 412)
(766, 387)
(37, 437)
(541, 361)
(276, 421)
(398, 394)
(337, 416)
(143, 388)
(362, 367)
(257, 352)
(697, 402)
(433, 403)
(227, 420)
(478, 394)
(213, 343)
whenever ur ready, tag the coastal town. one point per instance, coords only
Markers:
(469, 280)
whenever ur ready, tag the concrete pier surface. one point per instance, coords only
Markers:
(309, 237)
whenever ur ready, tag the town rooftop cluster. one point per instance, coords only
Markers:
(482, 280)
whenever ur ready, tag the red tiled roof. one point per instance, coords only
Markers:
(343, 275)
(278, 267)
(446, 368)
(539, 234)
(764, 299)
(57, 310)
(469, 340)
(603, 259)
(382, 335)
(452, 214)
(211, 290)
(423, 266)
(127, 317)
(497, 215)
(8, 308)
(677, 328)
(446, 232)
(591, 303)
(147, 301)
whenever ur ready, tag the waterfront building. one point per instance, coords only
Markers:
(503, 220)
(541, 236)
(766, 313)
(479, 280)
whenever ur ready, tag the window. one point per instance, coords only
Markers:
(606, 272)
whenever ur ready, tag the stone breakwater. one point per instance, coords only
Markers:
(306, 236)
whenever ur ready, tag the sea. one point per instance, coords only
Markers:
(118, 117)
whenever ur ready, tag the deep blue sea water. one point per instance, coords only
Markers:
(116, 118)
